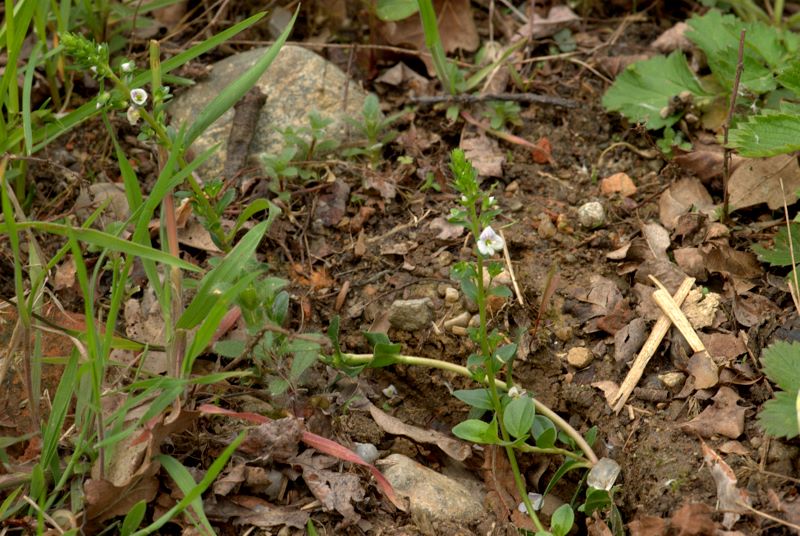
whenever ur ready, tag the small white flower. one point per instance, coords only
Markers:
(492, 201)
(514, 392)
(98, 105)
(489, 242)
(93, 68)
(127, 67)
(464, 199)
(133, 115)
(138, 96)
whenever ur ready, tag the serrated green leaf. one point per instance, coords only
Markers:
(790, 76)
(768, 134)
(781, 254)
(392, 10)
(645, 88)
(779, 416)
(717, 35)
(782, 365)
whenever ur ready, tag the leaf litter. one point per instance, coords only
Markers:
(670, 236)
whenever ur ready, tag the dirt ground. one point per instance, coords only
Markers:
(663, 469)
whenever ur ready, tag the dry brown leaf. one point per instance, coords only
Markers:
(704, 370)
(446, 230)
(557, 19)
(336, 491)
(485, 155)
(694, 519)
(130, 475)
(648, 526)
(753, 310)
(721, 258)
(730, 499)
(724, 417)
(673, 39)
(332, 206)
(454, 448)
(657, 240)
(242, 510)
(456, 28)
(684, 196)
(65, 275)
(691, 261)
(757, 181)
(723, 346)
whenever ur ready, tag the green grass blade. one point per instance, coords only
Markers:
(230, 267)
(186, 483)
(434, 43)
(188, 55)
(107, 241)
(27, 84)
(196, 491)
(236, 90)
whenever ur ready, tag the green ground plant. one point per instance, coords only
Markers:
(452, 78)
(662, 90)
(189, 329)
(503, 413)
(780, 416)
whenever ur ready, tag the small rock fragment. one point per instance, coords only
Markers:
(411, 315)
(672, 380)
(431, 495)
(579, 356)
(619, 183)
(591, 215)
(367, 451)
(546, 229)
(450, 295)
(461, 320)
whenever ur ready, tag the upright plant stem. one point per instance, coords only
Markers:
(488, 360)
(726, 163)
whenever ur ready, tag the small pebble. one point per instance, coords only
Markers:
(461, 320)
(579, 356)
(591, 215)
(546, 229)
(512, 187)
(672, 379)
(367, 451)
(570, 258)
(451, 295)
(562, 332)
(458, 330)
(475, 321)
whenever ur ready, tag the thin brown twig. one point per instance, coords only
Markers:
(516, 97)
(726, 163)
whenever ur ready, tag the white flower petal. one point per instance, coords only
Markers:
(133, 115)
(138, 96)
(127, 67)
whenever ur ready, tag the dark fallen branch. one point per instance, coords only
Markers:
(517, 97)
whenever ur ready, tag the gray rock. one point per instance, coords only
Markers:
(297, 82)
(430, 494)
(411, 315)
(591, 215)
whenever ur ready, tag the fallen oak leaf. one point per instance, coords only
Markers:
(320, 443)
